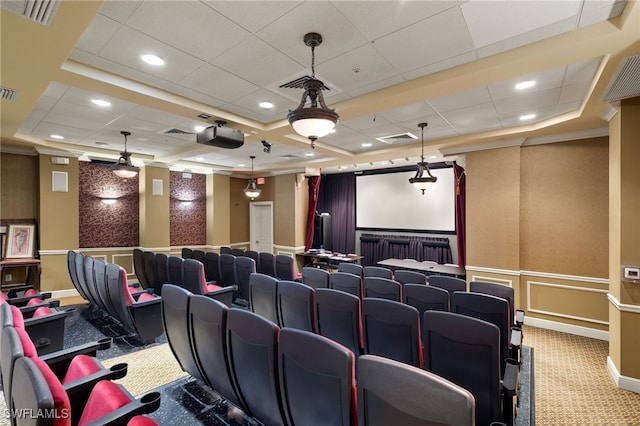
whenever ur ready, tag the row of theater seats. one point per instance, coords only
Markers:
(67, 387)
(285, 376)
(158, 269)
(43, 319)
(388, 328)
(106, 287)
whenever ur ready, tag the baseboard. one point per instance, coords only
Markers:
(59, 294)
(623, 382)
(567, 328)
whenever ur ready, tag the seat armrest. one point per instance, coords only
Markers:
(80, 389)
(147, 403)
(13, 291)
(59, 361)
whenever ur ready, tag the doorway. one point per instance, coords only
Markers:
(261, 226)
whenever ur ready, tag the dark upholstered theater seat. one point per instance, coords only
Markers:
(383, 288)
(315, 277)
(378, 271)
(286, 268)
(296, 305)
(409, 277)
(263, 296)
(424, 298)
(267, 264)
(450, 284)
(245, 266)
(351, 268)
(347, 282)
(338, 317)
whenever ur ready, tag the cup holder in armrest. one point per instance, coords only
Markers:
(54, 304)
(119, 370)
(151, 401)
(70, 311)
(104, 343)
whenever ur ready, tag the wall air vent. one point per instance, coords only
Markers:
(8, 94)
(402, 137)
(625, 83)
(40, 11)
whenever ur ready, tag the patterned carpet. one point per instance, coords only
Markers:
(572, 383)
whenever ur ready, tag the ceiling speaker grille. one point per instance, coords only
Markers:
(625, 83)
(402, 137)
(298, 83)
(8, 94)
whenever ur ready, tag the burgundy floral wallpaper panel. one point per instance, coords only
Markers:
(107, 225)
(187, 209)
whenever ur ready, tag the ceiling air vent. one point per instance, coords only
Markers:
(402, 137)
(8, 94)
(625, 83)
(298, 83)
(290, 157)
(40, 11)
(179, 133)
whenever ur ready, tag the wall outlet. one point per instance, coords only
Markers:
(631, 274)
(8, 277)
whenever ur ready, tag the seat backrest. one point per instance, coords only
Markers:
(138, 267)
(212, 266)
(100, 277)
(315, 277)
(120, 299)
(263, 296)
(82, 282)
(225, 249)
(492, 309)
(450, 284)
(175, 270)
(425, 297)
(11, 348)
(351, 268)
(73, 273)
(255, 256)
(208, 326)
(346, 282)
(466, 351)
(245, 266)
(162, 270)
(497, 290)
(305, 358)
(193, 276)
(87, 266)
(175, 317)
(296, 306)
(285, 267)
(150, 270)
(186, 253)
(198, 255)
(388, 390)
(392, 330)
(267, 264)
(383, 288)
(338, 318)
(378, 271)
(237, 252)
(404, 276)
(227, 270)
(253, 341)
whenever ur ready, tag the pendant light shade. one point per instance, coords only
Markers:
(313, 119)
(423, 178)
(123, 168)
(252, 191)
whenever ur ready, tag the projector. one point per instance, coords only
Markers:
(220, 136)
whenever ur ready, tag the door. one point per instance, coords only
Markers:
(261, 226)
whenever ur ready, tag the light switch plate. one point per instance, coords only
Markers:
(631, 274)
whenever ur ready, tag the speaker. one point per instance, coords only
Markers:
(322, 232)
(220, 136)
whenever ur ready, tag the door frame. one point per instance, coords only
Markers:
(253, 217)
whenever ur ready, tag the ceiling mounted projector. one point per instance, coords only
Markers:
(220, 136)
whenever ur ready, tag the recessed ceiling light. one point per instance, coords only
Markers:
(198, 129)
(265, 104)
(240, 165)
(101, 102)
(525, 84)
(152, 60)
(384, 163)
(56, 136)
(433, 157)
(199, 159)
(332, 131)
(527, 117)
(308, 154)
(367, 144)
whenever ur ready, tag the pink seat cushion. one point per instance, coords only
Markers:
(141, 421)
(60, 398)
(34, 302)
(146, 296)
(42, 311)
(28, 348)
(81, 366)
(213, 287)
(31, 292)
(105, 398)
(3, 298)
(18, 318)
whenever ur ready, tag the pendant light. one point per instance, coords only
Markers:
(421, 181)
(252, 191)
(123, 167)
(313, 121)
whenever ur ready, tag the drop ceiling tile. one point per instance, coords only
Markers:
(71, 134)
(195, 95)
(491, 21)
(365, 122)
(583, 72)
(256, 61)
(567, 107)
(545, 80)
(250, 103)
(437, 127)
(405, 54)
(573, 93)
(413, 112)
(471, 97)
(252, 15)
(528, 103)
(130, 73)
(55, 90)
(474, 118)
(380, 84)
(82, 56)
(97, 34)
(189, 26)
(597, 11)
(441, 65)
(83, 98)
(78, 116)
(120, 11)
(213, 81)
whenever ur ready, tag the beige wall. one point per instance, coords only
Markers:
(18, 183)
(154, 209)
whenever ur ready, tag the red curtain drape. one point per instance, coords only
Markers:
(314, 189)
(461, 213)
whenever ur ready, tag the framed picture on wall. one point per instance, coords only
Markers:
(20, 241)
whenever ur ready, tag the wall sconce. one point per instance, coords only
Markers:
(109, 201)
(185, 202)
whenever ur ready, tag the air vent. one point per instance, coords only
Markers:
(290, 157)
(177, 132)
(40, 11)
(298, 83)
(8, 94)
(625, 83)
(402, 137)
